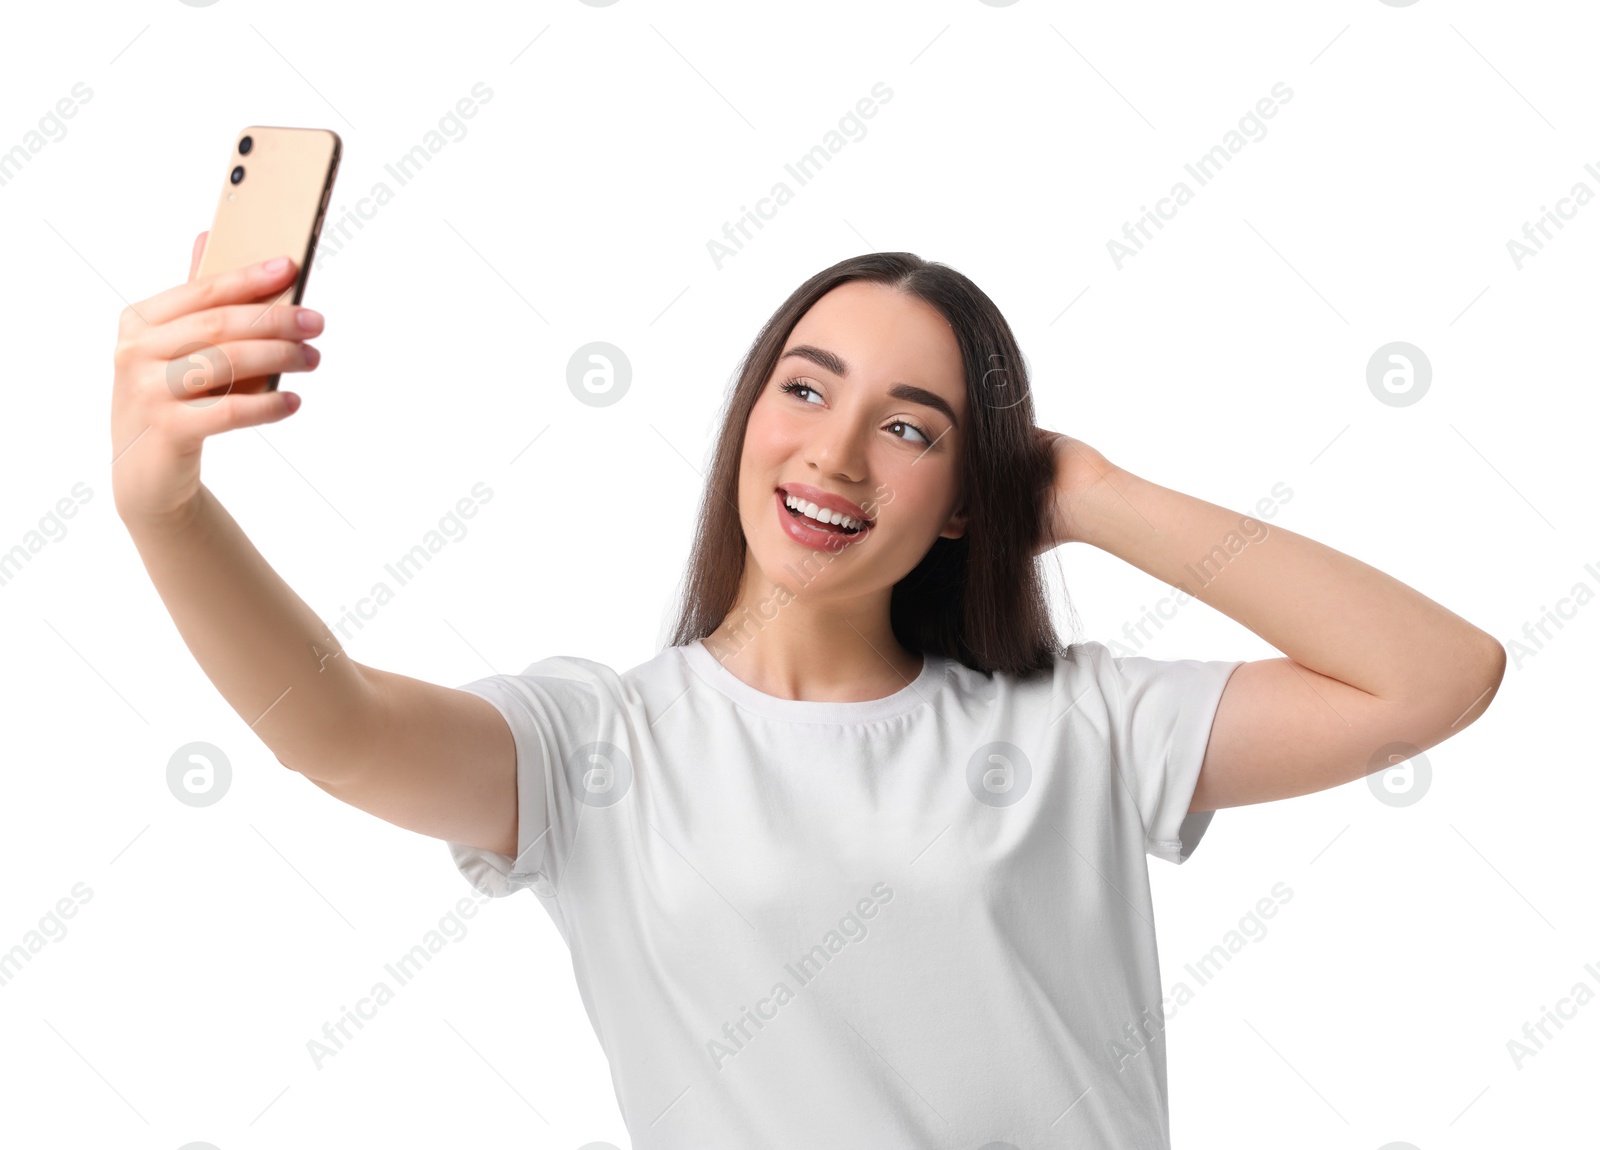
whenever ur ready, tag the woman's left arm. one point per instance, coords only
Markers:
(1370, 661)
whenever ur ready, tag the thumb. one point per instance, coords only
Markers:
(194, 256)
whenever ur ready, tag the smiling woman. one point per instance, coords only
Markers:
(864, 689)
(864, 695)
(867, 385)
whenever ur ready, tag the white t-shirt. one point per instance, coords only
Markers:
(918, 921)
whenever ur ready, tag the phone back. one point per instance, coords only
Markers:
(274, 195)
(276, 207)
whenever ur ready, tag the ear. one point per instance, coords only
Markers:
(957, 527)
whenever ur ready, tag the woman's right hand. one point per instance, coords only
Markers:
(191, 362)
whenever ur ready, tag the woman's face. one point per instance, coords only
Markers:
(874, 416)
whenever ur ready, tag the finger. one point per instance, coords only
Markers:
(228, 412)
(236, 322)
(194, 256)
(238, 285)
(238, 366)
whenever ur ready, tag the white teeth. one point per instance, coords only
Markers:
(812, 511)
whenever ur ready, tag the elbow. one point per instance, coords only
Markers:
(1495, 663)
(1482, 673)
(1491, 665)
(1452, 701)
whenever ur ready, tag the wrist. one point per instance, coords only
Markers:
(164, 525)
(1089, 514)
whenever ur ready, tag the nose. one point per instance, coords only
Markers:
(837, 448)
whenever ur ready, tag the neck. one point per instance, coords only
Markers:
(808, 645)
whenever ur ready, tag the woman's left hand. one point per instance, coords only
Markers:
(1078, 469)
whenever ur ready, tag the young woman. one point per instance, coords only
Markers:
(859, 859)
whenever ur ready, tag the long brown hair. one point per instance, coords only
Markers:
(979, 599)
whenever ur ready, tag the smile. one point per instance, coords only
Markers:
(815, 527)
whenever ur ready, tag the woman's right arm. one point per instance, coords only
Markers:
(429, 758)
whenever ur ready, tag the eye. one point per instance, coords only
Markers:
(926, 438)
(794, 385)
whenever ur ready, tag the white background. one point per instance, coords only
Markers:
(1228, 356)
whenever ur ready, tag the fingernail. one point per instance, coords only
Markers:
(313, 356)
(272, 267)
(309, 320)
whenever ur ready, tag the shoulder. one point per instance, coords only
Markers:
(1111, 676)
(1117, 666)
(579, 680)
(1089, 659)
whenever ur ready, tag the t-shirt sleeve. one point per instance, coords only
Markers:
(556, 708)
(1160, 713)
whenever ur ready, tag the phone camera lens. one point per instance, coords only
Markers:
(244, 145)
(237, 174)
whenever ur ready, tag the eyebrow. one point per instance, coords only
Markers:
(828, 361)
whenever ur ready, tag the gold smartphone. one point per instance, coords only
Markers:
(274, 197)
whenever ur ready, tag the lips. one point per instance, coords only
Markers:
(826, 500)
(807, 532)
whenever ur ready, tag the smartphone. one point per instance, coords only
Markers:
(273, 200)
